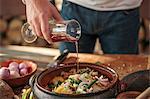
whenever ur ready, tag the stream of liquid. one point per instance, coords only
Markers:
(77, 51)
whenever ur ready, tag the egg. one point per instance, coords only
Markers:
(24, 71)
(4, 73)
(13, 66)
(23, 65)
(14, 74)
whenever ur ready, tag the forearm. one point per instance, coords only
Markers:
(24, 1)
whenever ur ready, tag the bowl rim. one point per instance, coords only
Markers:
(112, 85)
(127, 94)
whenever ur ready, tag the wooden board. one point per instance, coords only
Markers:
(122, 64)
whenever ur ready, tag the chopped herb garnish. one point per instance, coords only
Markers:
(92, 83)
(72, 81)
(51, 86)
(58, 83)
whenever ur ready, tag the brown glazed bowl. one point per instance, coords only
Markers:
(22, 80)
(128, 95)
(39, 83)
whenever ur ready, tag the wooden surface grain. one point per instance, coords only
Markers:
(122, 64)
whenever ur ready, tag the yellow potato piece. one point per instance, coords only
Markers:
(62, 90)
(59, 89)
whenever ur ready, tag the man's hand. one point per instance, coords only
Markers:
(38, 14)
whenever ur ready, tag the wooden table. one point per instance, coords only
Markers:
(122, 64)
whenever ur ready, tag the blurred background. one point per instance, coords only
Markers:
(12, 17)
